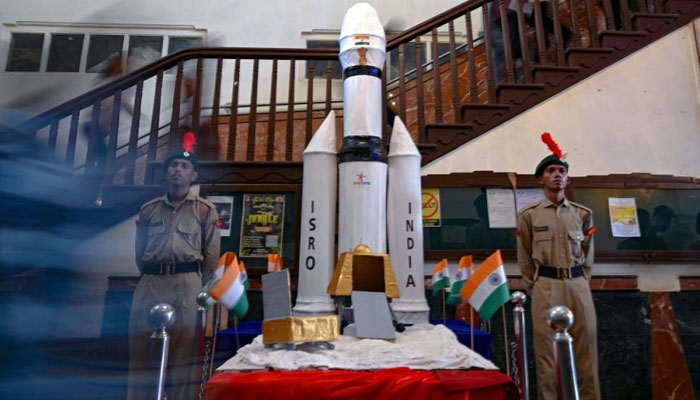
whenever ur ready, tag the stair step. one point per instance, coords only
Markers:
(482, 114)
(682, 6)
(553, 75)
(620, 40)
(652, 22)
(518, 93)
(449, 136)
(588, 57)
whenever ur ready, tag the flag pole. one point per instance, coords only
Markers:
(505, 338)
(235, 330)
(471, 324)
(444, 320)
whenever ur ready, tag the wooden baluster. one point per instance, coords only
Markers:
(289, 143)
(402, 83)
(420, 101)
(252, 116)
(134, 135)
(175, 134)
(490, 72)
(272, 114)
(507, 45)
(558, 36)
(233, 121)
(626, 15)
(53, 135)
(575, 28)
(456, 96)
(329, 81)
(72, 138)
(155, 119)
(93, 137)
(212, 137)
(658, 6)
(436, 77)
(609, 17)
(541, 34)
(197, 100)
(592, 25)
(309, 99)
(111, 156)
(473, 89)
(524, 46)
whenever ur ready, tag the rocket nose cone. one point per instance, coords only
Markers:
(361, 18)
(401, 143)
(324, 139)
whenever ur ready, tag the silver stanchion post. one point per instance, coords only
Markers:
(560, 321)
(201, 334)
(520, 372)
(161, 316)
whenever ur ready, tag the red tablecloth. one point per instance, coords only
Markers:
(395, 383)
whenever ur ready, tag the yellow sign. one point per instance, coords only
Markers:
(430, 198)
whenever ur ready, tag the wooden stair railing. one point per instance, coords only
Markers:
(445, 85)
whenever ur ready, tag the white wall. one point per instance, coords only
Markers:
(641, 114)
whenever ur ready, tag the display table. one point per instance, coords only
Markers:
(394, 383)
(226, 346)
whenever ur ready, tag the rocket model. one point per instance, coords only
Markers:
(363, 168)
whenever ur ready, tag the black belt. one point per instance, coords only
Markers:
(167, 268)
(560, 273)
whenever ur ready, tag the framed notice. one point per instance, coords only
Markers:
(224, 208)
(262, 221)
(501, 208)
(623, 217)
(430, 200)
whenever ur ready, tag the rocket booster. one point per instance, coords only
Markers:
(362, 169)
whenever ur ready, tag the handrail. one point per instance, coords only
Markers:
(148, 71)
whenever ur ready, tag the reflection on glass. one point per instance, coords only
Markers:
(25, 52)
(65, 53)
(103, 51)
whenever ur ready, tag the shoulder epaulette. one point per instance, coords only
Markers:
(529, 206)
(151, 202)
(581, 206)
(205, 202)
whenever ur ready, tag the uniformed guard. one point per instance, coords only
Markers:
(555, 255)
(177, 248)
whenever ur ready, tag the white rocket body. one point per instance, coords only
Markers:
(362, 163)
(316, 254)
(405, 226)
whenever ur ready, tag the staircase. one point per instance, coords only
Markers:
(451, 96)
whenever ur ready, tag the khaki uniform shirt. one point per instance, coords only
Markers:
(187, 233)
(554, 236)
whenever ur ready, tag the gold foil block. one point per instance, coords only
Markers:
(315, 328)
(364, 271)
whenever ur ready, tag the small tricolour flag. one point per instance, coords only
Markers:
(274, 262)
(230, 290)
(487, 289)
(244, 275)
(441, 276)
(464, 270)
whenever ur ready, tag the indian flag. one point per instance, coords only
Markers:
(464, 270)
(230, 290)
(441, 276)
(274, 262)
(487, 289)
(226, 259)
(244, 275)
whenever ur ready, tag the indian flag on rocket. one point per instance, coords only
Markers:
(464, 270)
(230, 290)
(274, 262)
(487, 289)
(441, 277)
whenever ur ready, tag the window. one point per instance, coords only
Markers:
(320, 66)
(65, 52)
(185, 42)
(25, 52)
(409, 57)
(104, 50)
(144, 50)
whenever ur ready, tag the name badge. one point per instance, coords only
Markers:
(541, 228)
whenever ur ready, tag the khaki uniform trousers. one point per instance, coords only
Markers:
(180, 291)
(576, 295)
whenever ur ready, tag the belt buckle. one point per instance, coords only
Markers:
(562, 273)
(167, 268)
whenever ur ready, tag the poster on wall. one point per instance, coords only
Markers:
(224, 207)
(430, 199)
(501, 208)
(525, 197)
(623, 217)
(261, 225)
